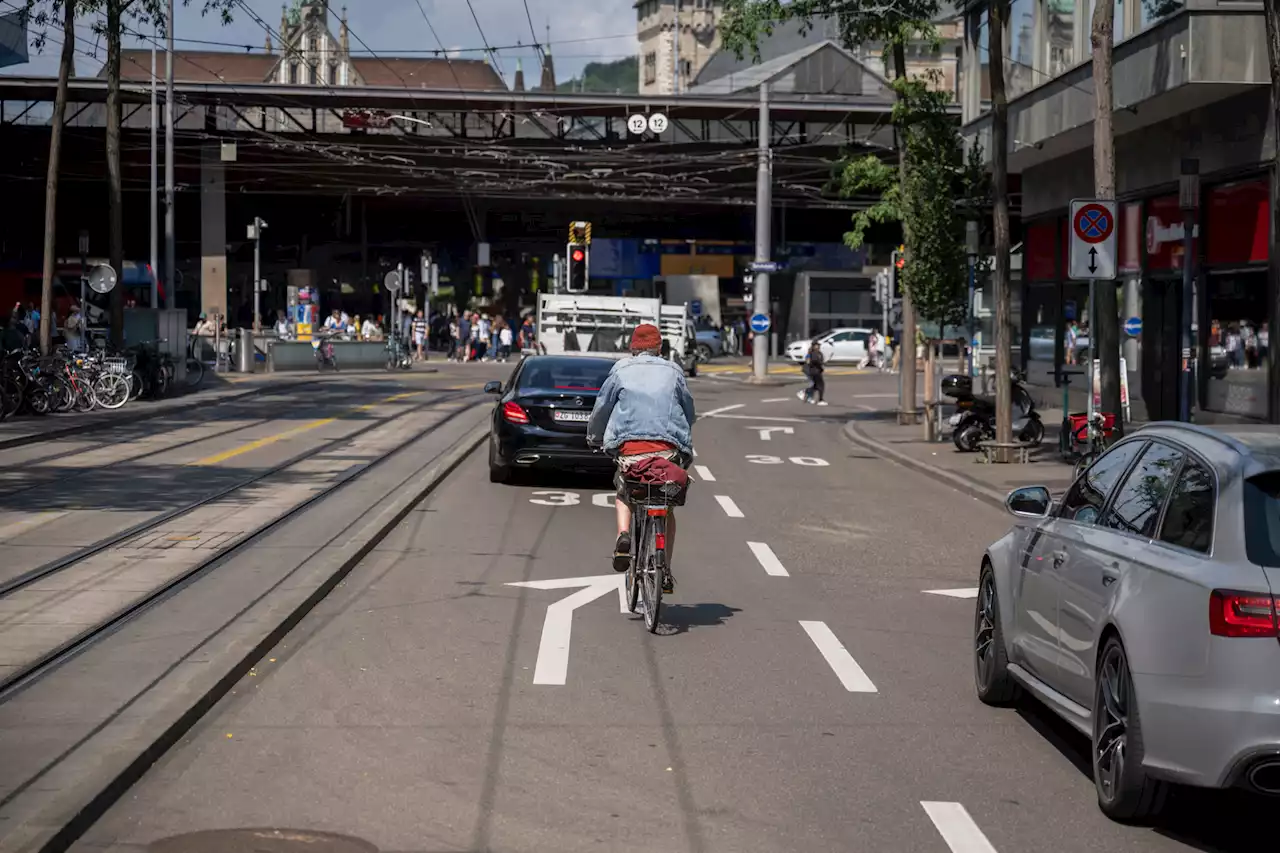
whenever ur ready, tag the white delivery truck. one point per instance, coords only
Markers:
(570, 323)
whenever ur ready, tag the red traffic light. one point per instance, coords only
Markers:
(578, 255)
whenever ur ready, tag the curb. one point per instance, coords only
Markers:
(959, 482)
(56, 835)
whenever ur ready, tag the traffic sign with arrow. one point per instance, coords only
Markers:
(1092, 252)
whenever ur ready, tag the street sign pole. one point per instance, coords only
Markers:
(1091, 257)
(1093, 332)
(764, 237)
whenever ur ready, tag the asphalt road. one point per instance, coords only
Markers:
(810, 689)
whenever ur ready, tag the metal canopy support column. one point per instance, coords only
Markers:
(764, 238)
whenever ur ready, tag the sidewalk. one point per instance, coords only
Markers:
(29, 429)
(880, 433)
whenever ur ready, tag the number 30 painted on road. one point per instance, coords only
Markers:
(806, 461)
(601, 499)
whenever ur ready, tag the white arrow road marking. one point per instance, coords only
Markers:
(704, 473)
(968, 592)
(840, 661)
(730, 508)
(768, 560)
(714, 412)
(766, 433)
(957, 828)
(557, 628)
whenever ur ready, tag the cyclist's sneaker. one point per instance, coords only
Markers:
(668, 584)
(622, 553)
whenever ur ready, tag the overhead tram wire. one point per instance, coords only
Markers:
(493, 56)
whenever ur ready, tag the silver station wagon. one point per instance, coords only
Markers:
(1142, 609)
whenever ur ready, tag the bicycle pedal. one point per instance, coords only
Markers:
(668, 585)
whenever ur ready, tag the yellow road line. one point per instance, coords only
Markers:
(290, 433)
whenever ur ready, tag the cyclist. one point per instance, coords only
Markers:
(644, 410)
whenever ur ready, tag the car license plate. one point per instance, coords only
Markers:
(572, 417)
(956, 418)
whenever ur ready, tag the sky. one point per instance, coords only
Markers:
(581, 32)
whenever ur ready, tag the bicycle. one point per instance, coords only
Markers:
(1096, 435)
(649, 573)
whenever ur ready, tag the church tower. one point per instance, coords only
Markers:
(659, 23)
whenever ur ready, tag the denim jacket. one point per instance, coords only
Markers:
(645, 398)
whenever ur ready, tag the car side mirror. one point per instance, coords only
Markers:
(1029, 502)
(494, 387)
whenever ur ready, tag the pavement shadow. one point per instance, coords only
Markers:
(1214, 821)
(679, 618)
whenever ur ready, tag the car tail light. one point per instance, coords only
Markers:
(513, 414)
(660, 541)
(1242, 614)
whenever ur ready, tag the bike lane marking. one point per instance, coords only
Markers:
(957, 828)
(838, 658)
(965, 592)
(730, 508)
(704, 473)
(768, 560)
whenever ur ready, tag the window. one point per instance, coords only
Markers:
(1262, 519)
(1137, 505)
(1156, 10)
(650, 67)
(313, 74)
(1060, 27)
(1088, 494)
(293, 73)
(567, 374)
(311, 44)
(1188, 521)
(333, 74)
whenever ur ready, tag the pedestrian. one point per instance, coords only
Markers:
(464, 338)
(813, 368)
(419, 336)
(73, 329)
(504, 342)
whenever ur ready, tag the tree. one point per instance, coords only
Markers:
(934, 202)
(1106, 313)
(42, 17)
(1271, 15)
(890, 22)
(997, 18)
(147, 14)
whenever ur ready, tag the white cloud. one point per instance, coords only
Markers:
(580, 33)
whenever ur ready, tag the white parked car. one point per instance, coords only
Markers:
(838, 345)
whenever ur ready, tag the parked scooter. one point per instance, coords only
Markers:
(976, 420)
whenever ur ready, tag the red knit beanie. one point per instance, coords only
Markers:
(646, 338)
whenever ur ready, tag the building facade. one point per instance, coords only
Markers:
(1190, 84)
(657, 23)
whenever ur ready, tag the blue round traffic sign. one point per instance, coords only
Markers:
(760, 323)
(1133, 326)
(695, 307)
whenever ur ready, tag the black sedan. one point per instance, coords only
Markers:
(540, 420)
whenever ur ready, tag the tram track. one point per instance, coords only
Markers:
(45, 663)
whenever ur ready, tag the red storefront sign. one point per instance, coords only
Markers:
(1040, 251)
(1164, 234)
(1130, 238)
(1238, 223)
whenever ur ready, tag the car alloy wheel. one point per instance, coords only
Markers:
(995, 686)
(1125, 791)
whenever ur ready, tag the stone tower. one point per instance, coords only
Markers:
(699, 38)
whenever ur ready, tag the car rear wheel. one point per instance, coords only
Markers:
(1125, 791)
(704, 352)
(990, 661)
(498, 473)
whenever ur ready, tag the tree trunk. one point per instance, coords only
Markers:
(1106, 314)
(1271, 14)
(115, 194)
(998, 12)
(51, 184)
(907, 344)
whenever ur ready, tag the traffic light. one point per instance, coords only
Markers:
(579, 261)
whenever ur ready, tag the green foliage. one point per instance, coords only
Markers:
(890, 21)
(938, 192)
(620, 77)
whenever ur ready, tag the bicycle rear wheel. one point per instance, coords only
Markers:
(653, 569)
(633, 574)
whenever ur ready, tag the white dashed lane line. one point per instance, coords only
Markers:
(957, 828)
(768, 560)
(704, 473)
(730, 508)
(966, 592)
(838, 658)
